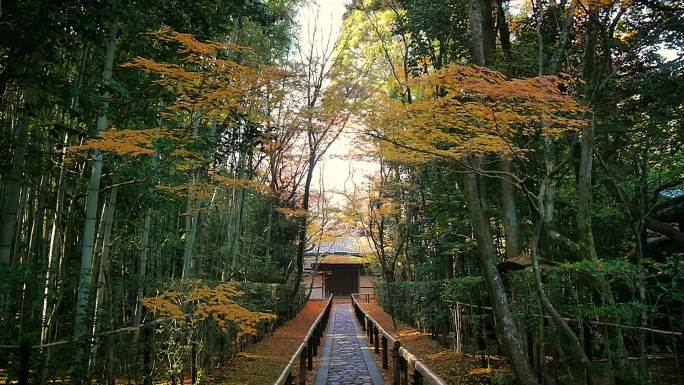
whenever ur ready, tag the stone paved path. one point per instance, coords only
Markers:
(346, 357)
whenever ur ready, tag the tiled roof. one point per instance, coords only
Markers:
(343, 260)
(342, 245)
(672, 193)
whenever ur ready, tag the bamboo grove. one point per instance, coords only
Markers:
(155, 184)
(159, 181)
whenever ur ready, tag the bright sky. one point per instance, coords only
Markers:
(338, 168)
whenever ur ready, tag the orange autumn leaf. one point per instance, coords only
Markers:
(460, 111)
(206, 304)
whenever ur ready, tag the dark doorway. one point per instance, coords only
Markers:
(342, 281)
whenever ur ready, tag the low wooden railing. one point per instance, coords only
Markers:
(401, 357)
(307, 349)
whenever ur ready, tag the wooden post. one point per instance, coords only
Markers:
(371, 330)
(417, 378)
(302, 366)
(369, 327)
(395, 363)
(385, 364)
(288, 380)
(193, 363)
(404, 370)
(316, 340)
(309, 355)
(377, 342)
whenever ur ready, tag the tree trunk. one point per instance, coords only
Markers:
(301, 232)
(104, 270)
(82, 303)
(142, 272)
(478, 50)
(189, 235)
(502, 27)
(229, 237)
(586, 236)
(568, 18)
(54, 228)
(506, 330)
(191, 214)
(572, 347)
(488, 31)
(236, 245)
(10, 203)
(510, 213)
(269, 231)
(142, 269)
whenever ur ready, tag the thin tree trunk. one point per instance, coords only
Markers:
(586, 236)
(10, 203)
(477, 33)
(28, 303)
(236, 245)
(191, 215)
(229, 239)
(568, 18)
(510, 213)
(142, 269)
(488, 31)
(502, 27)
(82, 303)
(506, 330)
(189, 244)
(142, 272)
(572, 346)
(38, 223)
(269, 231)
(301, 232)
(104, 269)
(59, 202)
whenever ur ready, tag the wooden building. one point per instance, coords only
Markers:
(339, 267)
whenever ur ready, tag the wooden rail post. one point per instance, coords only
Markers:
(302, 366)
(193, 363)
(305, 351)
(369, 328)
(316, 340)
(404, 371)
(395, 363)
(417, 378)
(384, 352)
(377, 341)
(371, 332)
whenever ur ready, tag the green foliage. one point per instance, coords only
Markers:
(427, 304)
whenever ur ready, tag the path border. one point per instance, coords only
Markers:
(322, 375)
(373, 370)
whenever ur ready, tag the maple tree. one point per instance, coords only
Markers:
(202, 303)
(472, 111)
